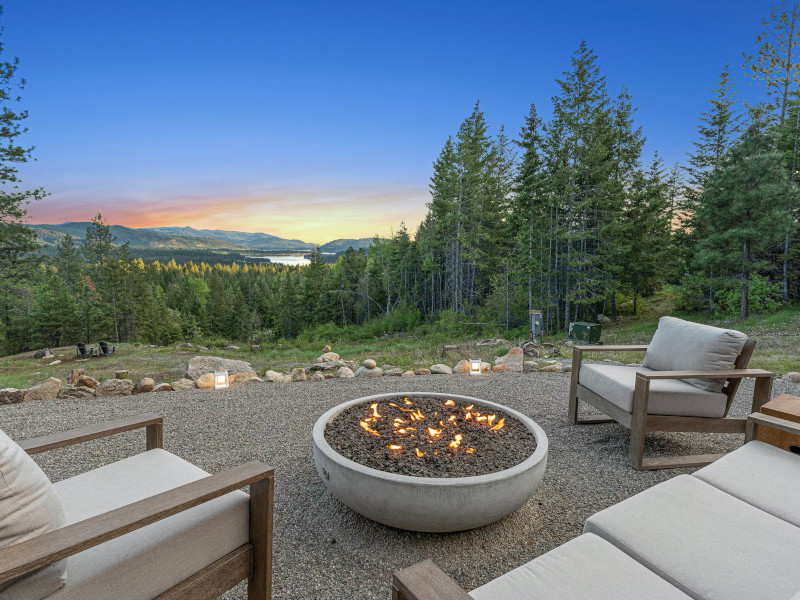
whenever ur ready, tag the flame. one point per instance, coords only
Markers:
(453, 418)
(394, 447)
(500, 424)
(408, 410)
(407, 401)
(470, 407)
(374, 408)
(420, 454)
(456, 441)
(490, 419)
(470, 450)
(449, 403)
(480, 418)
(434, 432)
(468, 417)
(366, 426)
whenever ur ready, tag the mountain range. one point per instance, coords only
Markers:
(188, 238)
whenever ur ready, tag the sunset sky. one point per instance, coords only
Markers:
(320, 120)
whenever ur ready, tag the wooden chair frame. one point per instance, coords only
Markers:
(252, 561)
(639, 422)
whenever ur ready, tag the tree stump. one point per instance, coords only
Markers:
(122, 374)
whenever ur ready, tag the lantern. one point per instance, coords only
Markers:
(474, 366)
(221, 380)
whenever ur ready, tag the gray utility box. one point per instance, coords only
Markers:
(585, 333)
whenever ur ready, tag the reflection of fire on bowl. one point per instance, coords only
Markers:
(429, 462)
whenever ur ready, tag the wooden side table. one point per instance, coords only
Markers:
(783, 407)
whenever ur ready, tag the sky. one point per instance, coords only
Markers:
(321, 120)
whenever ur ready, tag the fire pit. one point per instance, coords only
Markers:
(429, 462)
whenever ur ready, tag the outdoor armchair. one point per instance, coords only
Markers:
(151, 526)
(687, 382)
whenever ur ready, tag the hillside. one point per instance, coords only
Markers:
(256, 240)
(342, 245)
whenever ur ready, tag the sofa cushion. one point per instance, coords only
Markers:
(667, 396)
(705, 542)
(680, 345)
(145, 563)
(586, 568)
(762, 475)
(29, 507)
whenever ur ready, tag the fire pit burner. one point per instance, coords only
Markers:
(449, 501)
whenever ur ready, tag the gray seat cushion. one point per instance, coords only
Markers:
(705, 542)
(762, 475)
(667, 396)
(29, 507)
(586, 568)
(145, 563)
(680, 345)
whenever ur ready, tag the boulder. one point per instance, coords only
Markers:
(54, 363)
(566, 368)
(205, 381)
(182, 385)
(328, 365)
(163, 387)
(329, 376)
(550, 369)
(513, 360)
(350, 364)
(115, 387)
(530, 349)
(408, 374)
(500, 368)
(423, 371)
(231, 347)
(200, 365)
(11, 396)
(370, 364)
(86, 381)
(76, 391)
(255, 348)
(369, 373)
(396, 372)
(74, 375)
(461, 368)
(145, 384)
(317, 377)
(244, 377)
(530, 366)
(44, 391)
(275, 377)
(602, 319)
(326, 349)
(43, 353)
(328, 356)
(486, 367)
(298, 374)
(441, 369)
(344, 373)
(792, 377)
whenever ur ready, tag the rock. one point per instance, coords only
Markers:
(513, 360)
(345, 373)
(244, 377)
(231, 347)
(44, 391)
(74, 376)
(43, 353)
(423, 371)
(326, 349)
(461, 368)
(396, 372)
(499, 368)
(163, 387)
(530, 366)
(319, 360)
(329, 356)
(550, 369)
(205, 381)
(408, 374)
(54, 363)
(441, 369)
(145, 384)
(255, 348)
(203, 349)
(200, 365)
(792, 377)
(329, 365)
(494, 342)
(317, 377)
(530, 349)
(11, 396)
(566, 368)
(275, 377)
(350, 364)
(369, 373)
(448, 348)
(115, 387)
(182, 385)
(186, 345)
(298, 374)
(486, 367)
(370, 364)
(569, 343)
(602, 319)
(76, 391)
(121, 374)
(86, 381)
(329, 376)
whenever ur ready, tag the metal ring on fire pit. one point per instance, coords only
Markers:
(432, 504)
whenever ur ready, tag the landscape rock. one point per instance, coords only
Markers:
(329, 356)
(499, 368)
(186, 345)
(550, 369)
(513, 360)
(370, 364)
(441, 369)
(43, 353)
(244, 377)
(530, 366)
(530, 349)
(231, 347)
(486, 367)
(11, 396)
(205, 381)
(115, 387)
(76, 391)
(345, 373)
(86, 381)
(298, 374)
(408, 374)
(350, 364)
(461, 368)
(566, 368)
(54, 363)
(396, 372)
(74, 375)
(145, 384)
(163, 387)
(326, 349)
(275, 377)
(494, 342)
(329, 376)
(255, 348)
(44, 391)
(182, 385)
(602, 319)
(328, 365)
(202, 349)
(792, 377)
(369, 373)
(317, 377)
(423, 371)
(200, 365)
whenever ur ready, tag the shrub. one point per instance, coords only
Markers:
(764, 296)
(690, 292)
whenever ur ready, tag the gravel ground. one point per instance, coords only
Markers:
(323, 550)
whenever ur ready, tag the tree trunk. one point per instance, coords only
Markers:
(744, 306)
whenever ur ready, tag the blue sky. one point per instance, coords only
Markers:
(317, 120)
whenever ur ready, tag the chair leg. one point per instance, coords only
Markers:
(262, 501)
(572, 412)
(638, 420)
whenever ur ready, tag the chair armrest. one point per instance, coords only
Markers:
(426, 581)
(721, 374)
(46, 549)
(635, 348)
(762, 420)
(151, 421)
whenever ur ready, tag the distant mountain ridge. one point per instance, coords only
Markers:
(259, 241)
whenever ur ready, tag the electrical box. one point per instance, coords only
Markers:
(536, 324)
(585, 333)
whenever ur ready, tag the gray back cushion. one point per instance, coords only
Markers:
(680, 345)
(29, 507)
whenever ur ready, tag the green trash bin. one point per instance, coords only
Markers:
(582, 332)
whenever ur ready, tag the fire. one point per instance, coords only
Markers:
(420, 454)
(394, 447)
(434, 432)
(500, 424)
(374, 408)
(366, 426)
(407, 401)
(456, 441)
(470, 450)
(449, 403)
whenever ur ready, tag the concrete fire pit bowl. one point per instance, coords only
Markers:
(425, 503)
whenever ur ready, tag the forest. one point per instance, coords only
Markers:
(567, 216)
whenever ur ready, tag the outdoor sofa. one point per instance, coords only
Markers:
(730, 531)
(151, 526)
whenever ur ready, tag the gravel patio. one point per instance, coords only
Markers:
(323, 550)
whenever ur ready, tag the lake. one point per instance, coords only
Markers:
(285, 259)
